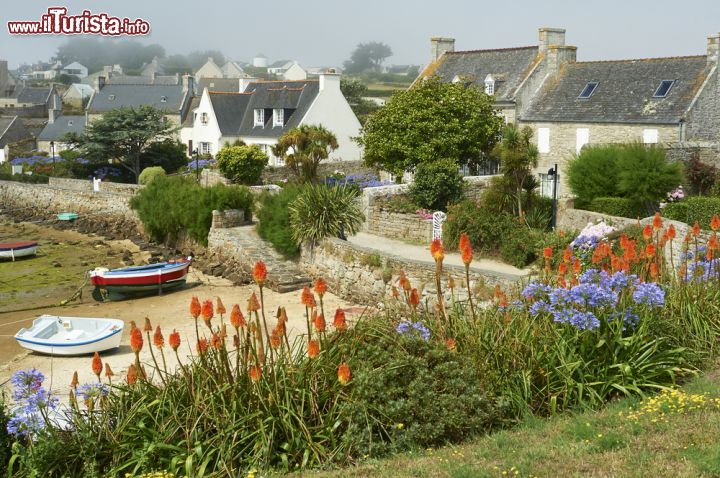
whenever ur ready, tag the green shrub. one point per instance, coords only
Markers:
(487, 230)
(273, 219)
(399, 203)
(168, 154)
(437, 184)
(594, 173)
(150, 174)
(325, 211)
(519, 246)
(169, 205)
(25, 178)
(242, 164)
(622, 207)
(700, 209)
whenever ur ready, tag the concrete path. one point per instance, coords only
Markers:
(422, 254)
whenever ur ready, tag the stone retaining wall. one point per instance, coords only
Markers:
(706, 152)
(274, 174)
(406, 227)
(87, 186)
(365, 276)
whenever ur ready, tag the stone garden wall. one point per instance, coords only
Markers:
(707, 152)
(87, 186)
(274, 174)
(365, 276)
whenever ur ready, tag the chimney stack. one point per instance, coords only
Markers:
(243, 83)
(329, 81)
(188, 84)
(440, 45)
(99, 83)
(713, 49)
(551, 37)
(55, 110)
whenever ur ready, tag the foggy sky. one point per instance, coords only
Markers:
(324, 32)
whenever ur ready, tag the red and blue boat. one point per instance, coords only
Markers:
(141, 280)
(13, 250)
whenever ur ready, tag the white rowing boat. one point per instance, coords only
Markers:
(13, 250)
(55, 335)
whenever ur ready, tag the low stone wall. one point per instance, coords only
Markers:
(406, 227)
(87, 186)
(570, 219)
(228, 218)
(366, 276)
(706, 152)
(274, 174)
(211, 177)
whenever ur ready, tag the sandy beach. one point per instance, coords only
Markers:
(169, 311)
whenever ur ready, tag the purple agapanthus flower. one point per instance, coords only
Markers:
(650, 294)
(30, 399)
(411, 329)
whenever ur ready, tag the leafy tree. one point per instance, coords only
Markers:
(322, 211)
(436, 184)
(518, 156)
(431, 121)
(123, 135)
(354, 91)
(171, 155)
(701, 176)
(593, 173)
(303, 148)
(242, 164)
(368, 56)
(645, 175)
(67, 79)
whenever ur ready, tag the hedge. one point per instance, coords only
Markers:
(622, 207)
(700, 209)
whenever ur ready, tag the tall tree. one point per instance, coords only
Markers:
(368, 56)
(431, 121)
(123, 135)
(518, 156)
(303, 148)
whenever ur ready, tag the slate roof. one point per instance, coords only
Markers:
(509, 67)
(5, 122)
(225, 85)
(189, 119)
(143, 80)
(235, 111)
(33, 95)
(624, 93)
(61, 126)
(137, 95)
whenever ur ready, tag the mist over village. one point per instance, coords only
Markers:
(359, 240)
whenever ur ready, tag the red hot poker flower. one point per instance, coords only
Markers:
(451, 344)
(344, 374)
(207, 310)
(236, 317)
(220, 308)
(255, 373)
(136, 340)
(108, 371)
(465, 249)
(174, 340)
(313, 348)
(650, 250)
(97, 365)
(437, 250)
(74, 382)
(320, 286)
(307, 298)
(657, 221)
(202, 346)
(414, 298)
(339, 320)
(253, 303)
(320, 323)
(275, 341)
(158, 338)
(547, 253)
(195, 307)
(132, 374)
(260, 273)
(148, 325)
(696, 229)
(671, 232)
(567, 255)
(647, 232)
(715, 223)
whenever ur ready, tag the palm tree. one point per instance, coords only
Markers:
(518, 156)
(303, 148)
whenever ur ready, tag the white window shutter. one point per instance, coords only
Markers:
(650, 136)
(583, 138)
(543, 140)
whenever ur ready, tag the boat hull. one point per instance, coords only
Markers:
(107, 338)
(18, 249)
(118, 284)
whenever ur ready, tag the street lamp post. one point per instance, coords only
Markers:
(553, 172)
(52, 149)
(197, 165)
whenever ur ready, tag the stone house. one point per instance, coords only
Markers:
(259, 112)
(212, 70)
(75, 69)
(12, 130)
(24, 100)
(58, 125)
(77, 94)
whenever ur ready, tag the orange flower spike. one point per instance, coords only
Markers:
(437, 250)
(451, 344)
(344, 374)
(712, 242)
(657, 221)
(414, 298)
(307, 298)
(174, 340)
(562, 269)
(320, 323)
(215, 341)
(195, 308)
(148, 325)
(715, 223)
(207, 310)
(339, 321)
(671, 232)
(219, 307)
(275, 339)
(136, 340)
(650, 250)
(696, 229)
(567, 255)
(547, 253)
(97, 365)
(74, 382)
(255, 373)
(709, 254)
(561, 282)
(281, 327)
(313, 348)
(158, 338)
(108, 371)
(465, 249)
(260, 273)
(653, 270)
(132, 374)
(577, 267)
(320, 286)
(623, 241)
(253, 303)
(202, 346)
(282, 317)
(236, 317)
(647, 232)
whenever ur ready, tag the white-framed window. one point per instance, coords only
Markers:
(204, 118)
(543, 140)
(205, 148)
(259, 117)
(650, 136)
(582, 137)
(279, 117)
(489, 85)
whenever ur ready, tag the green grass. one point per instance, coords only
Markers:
(599, 444)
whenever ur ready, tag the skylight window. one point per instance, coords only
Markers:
(163, 99)
(588, 90)
(664, 88)
(111, 97)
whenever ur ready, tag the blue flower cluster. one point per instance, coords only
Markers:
(702, 270)
(413, 329)
(201, 163)
(32, 161)
(92, 391)
(597, 293)
(30, 398)
(362, 181)
(107, 171)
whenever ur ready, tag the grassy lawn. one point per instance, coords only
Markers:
(672, 435)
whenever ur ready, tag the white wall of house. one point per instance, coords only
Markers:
(295, 73)
(205, 133)
(332, 110)
(209, 70)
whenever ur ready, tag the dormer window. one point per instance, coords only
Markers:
(111, 97)
(70, 122)
(278, 117)
(489, 85)
(204, 118)
(664, 88)
(588, 90)
(163, 99)
(259, 117)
